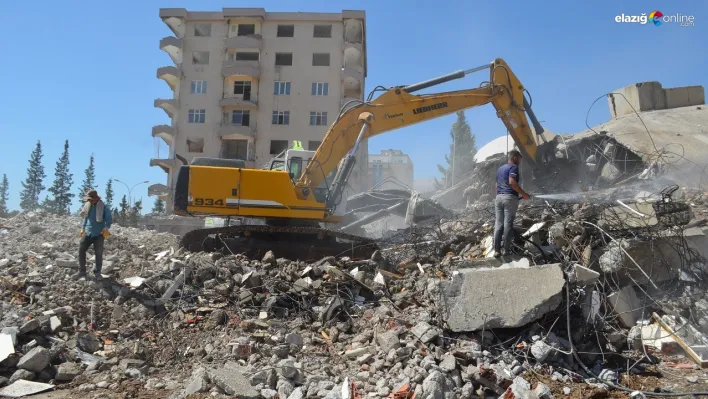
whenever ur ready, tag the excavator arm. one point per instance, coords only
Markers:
(397, 108)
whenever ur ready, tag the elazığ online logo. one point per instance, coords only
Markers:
(657, 18)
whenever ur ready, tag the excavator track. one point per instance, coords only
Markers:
(291, 242)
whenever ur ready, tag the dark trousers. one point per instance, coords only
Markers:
(84, 245)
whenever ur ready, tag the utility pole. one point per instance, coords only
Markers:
(130, 190)
(454, 157)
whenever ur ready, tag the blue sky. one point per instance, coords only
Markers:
(85, 71)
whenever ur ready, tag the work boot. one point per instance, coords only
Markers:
(78, 276)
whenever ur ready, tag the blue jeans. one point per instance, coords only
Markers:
(505, 206)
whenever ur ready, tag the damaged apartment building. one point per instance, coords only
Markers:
(245, 83)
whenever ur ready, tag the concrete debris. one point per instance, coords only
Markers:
(432, 313)
(23, 388)
(35, 360)
(484, 299)
(7, 346)
(232, 382)
(626, 306)
(68, 371)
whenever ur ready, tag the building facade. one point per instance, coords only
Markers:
(392, 169)
(246, 83)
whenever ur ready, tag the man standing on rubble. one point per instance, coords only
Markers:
(507, 202)
(94, 230)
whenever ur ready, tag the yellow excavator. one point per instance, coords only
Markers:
(298, 190)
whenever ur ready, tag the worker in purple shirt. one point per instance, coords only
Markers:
(507, 202)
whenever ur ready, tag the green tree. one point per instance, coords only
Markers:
(61, 188)
(159, 206)
(89, 180)
(135, 212)
(108, 200)
(460, 160)
(116, 216)
(47, 204)
(123, 213)
(33, 185)
(4, 193)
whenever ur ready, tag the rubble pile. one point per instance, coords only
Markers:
(596, 281)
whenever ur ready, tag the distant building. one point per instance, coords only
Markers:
(392, 169)
(245, 83)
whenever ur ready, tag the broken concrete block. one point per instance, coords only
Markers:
(626, 305)
(131, 363)
(556, 234)
(540, 350)
(29, 326)
(585, 276)
(4, 262)
(70, 263)
(22, 374)
(613, 258)
(13, 332)
(501, 298)
(287, 369)
(388, 340)
(35, 360)
(54, 323)
(448, 363)
(21, 388)
(269, 259)
(520, 388)
(197, 382)
(609, 173)
(7, 347)
(294, 339)
(285, 388)
(355, 353)
(88, 342)
(68, 371)
(232, 381)
(424, 331)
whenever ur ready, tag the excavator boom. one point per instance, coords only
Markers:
(398, 108)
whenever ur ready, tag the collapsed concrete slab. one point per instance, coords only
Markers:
(230, 379)
(503, 298)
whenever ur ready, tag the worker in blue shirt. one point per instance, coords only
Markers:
(94, 230)
(507, 202)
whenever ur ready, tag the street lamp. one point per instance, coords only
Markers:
(130, 189)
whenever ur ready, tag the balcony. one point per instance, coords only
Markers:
(351, 81)
(169, 106)
(165, 132)
(237, 102)
(246, 68)
(158, 190)
(173, 47)
(244, 42)
(171, 75)
(175, 19)
(229, 131)
(166, 164)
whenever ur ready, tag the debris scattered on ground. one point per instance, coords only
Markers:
(605, 292)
